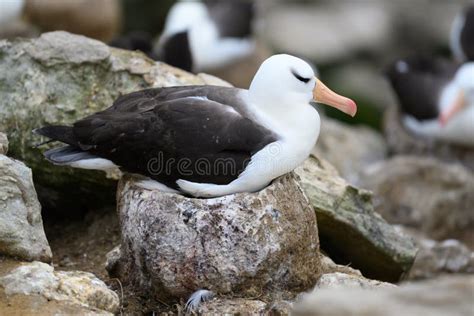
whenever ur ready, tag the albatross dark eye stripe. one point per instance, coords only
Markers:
(305, 80)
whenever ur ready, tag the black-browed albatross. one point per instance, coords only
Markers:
(205, 141)
(436, 98)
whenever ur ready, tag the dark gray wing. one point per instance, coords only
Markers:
(418, 83)
(145, 100)
(175, 133)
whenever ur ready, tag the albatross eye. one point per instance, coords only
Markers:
(300, 78)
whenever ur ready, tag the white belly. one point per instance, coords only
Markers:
(459, 130)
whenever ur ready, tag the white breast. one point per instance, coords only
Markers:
(298, 135)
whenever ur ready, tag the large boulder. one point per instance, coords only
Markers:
(21, 226)
(351, 232)
(402, 142)
(59, 78)
(424, 193)
(69, 290)
(439, 297)
(247, 243)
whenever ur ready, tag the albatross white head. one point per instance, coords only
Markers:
(284, 80)
(284, 86)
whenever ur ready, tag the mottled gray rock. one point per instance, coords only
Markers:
(21, 226)
(3, 144)
(329, 266)
(439, 297)
(236, 306)
(349, 229)
(245, 243)
(338, 280)
(73, 287)
(436, 258)
(54, 48)
(280, 307)
(402, 142)
(59, 78)
(350, 149)
(424, 193)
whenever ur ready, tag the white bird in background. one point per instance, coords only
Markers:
(436, 97)
(10, 11)
(455, 120)
(263, 132)
(207, 35)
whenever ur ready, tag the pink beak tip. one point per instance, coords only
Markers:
(352, 108)
(442, 120)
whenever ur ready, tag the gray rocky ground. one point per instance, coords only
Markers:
(424, 193)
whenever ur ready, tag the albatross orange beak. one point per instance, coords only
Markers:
(454, 108)
(322, 94)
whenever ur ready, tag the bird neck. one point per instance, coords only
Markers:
(291, 118)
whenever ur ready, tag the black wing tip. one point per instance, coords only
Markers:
(40, 131)
(37, 131)
(44, 131)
